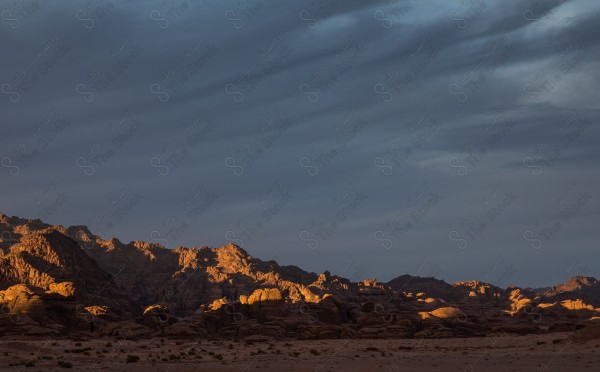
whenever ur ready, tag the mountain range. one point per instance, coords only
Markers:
(57, 280)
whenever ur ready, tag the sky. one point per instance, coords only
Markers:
(454, 139)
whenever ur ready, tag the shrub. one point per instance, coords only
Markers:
(132, 359)
(64, 364)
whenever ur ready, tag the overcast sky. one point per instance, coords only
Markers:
(455, 139)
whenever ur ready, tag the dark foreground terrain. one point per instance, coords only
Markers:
(550, 352)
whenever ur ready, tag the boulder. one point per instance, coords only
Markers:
(127, 329)
(66, 290)
(157, 317)
(264, 302)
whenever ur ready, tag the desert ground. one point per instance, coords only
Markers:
(549, 352)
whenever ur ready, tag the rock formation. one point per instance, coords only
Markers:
(57, 281)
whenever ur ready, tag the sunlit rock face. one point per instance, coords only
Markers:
(56, 280)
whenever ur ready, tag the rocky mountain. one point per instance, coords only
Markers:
(431, 286)
(57, 281)
(585, 288)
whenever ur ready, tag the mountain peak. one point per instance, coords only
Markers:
(579, 281)
(59, 264)
(233, 247)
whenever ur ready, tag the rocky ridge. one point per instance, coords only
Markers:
(58, 281)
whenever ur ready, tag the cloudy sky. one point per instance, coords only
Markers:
(455, 139)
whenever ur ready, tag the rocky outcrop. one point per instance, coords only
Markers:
(26, 309)
(56, 280)
(589, 332)
(263, 303)
(583, 288)
(158, 317)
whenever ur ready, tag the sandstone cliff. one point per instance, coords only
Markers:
(57, 280)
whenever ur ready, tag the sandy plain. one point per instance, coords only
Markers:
(549, 352)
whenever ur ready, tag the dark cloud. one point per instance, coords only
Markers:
(365, 138)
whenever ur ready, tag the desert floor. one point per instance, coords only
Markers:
(551, 352)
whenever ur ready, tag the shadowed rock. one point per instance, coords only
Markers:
(67, 280)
